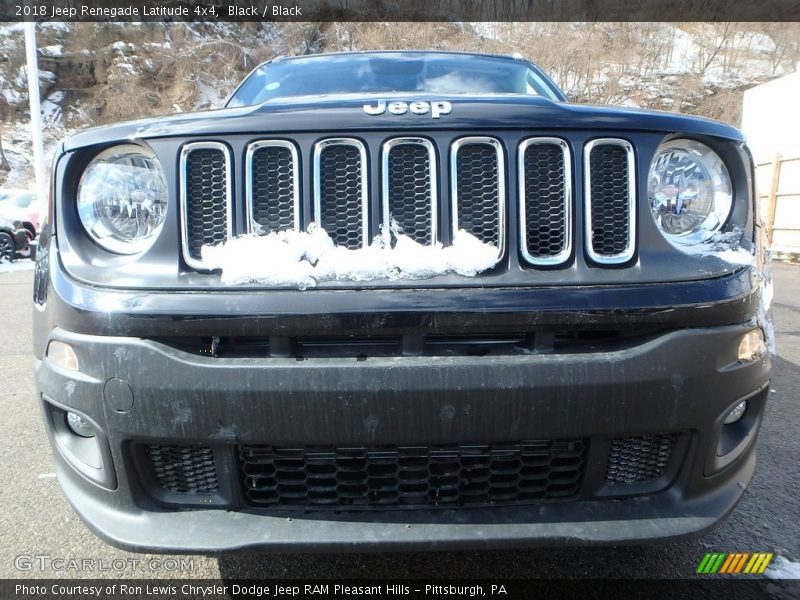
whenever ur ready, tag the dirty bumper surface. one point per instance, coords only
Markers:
(170, 397)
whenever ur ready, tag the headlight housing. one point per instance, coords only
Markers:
(122, 199)
(690, 191)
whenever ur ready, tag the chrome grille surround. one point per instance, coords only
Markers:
(566, 204)
(458, 203)
(187, 150)
(250, 186)
(363, 181)
(629, 197)
(478, 192)
(432, 205)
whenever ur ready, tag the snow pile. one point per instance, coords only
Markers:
(783, 568)
(764, 318)
(304, 259)
(725, 246)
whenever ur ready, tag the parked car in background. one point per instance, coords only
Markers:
(13, 239)
(21, 205)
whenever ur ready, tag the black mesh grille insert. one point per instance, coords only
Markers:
(609, 181)
(183, 469)
(639, 459)
(411, 476)
(273, 188)
(340, 194)
(478, 191)
(409, 190)
(206, 199)
(545, 205)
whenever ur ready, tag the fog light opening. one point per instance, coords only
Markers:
(752, 346)
(79, 426)
(736, 413)
(62, 355)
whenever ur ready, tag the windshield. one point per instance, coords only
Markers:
(392, 73)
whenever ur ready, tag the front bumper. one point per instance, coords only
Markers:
(681, 382)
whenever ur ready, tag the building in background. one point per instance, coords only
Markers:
(771, 123)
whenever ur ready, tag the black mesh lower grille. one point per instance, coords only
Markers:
(183, 469)
(639, 459)
(411, 476)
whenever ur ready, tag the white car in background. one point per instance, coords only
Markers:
(21, 205)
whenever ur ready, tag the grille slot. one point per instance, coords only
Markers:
(206, 198)
(273, 193)
(341, 196)
(409, 188)
(610, 201)
(478, 189)
(639, 459)
(545, 184)
(412, 476)
(183, 469)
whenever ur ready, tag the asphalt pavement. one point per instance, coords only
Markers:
(37, 526)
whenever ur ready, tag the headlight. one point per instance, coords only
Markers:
(122, 199)
(690, 191)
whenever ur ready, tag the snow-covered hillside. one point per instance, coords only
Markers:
(93, 74)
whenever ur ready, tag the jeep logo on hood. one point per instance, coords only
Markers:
(436, 109)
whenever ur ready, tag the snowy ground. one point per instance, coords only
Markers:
(23, 264)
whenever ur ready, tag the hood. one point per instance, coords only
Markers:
(340, 113)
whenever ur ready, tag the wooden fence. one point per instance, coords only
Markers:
(778, 185)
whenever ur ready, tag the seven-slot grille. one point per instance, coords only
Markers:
(344, 197)
(412, 476)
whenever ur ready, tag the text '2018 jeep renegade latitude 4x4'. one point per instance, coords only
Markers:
(402, 300)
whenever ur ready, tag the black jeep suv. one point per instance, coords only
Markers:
(402, 299)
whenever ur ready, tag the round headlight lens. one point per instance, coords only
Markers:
(122, 199)
(690, 191)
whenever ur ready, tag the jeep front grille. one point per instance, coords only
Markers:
(411, 476)
(341, 198)
(478, 189)
(206, 198)
(610, 201)
(545, 190)
(352, 187)
(409, 188)
(273, 186)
